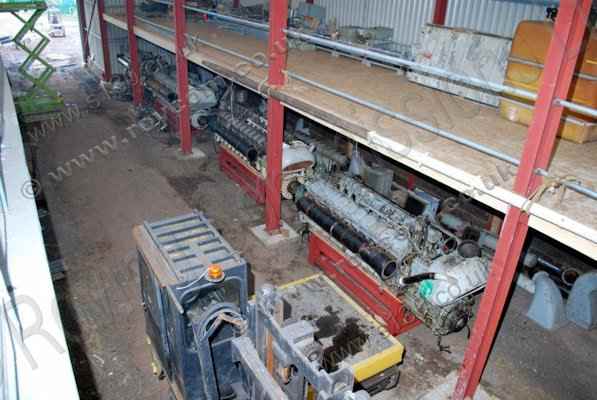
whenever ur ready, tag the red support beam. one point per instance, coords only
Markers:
(273, 188)
(277, 52)
(441, 9)
(566, 44)
(104, 38)
(182, 78)
(83, 29)
(135, 67)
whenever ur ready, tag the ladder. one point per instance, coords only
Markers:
(39, 98)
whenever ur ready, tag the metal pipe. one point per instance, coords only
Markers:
(251, 60)
(390, 59)
(241, 21)
(410, 280)
(554, 268)
(541, 66)
(251, 24)
(577, 107)
(240, 144)
(456, 78)
(440, 132)
(123, 60)
(411, 121)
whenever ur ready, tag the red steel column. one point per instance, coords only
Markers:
(441, 9)
(561, 62)
(104, 38)
(135, 66)
(83, 29)
(182, 78)
(277, 51)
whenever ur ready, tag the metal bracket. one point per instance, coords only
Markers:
(292, 347)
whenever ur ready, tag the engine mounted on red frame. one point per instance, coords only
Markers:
(159, 80)
(401, 267)
(240, 129)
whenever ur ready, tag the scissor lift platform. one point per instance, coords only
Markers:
(39, 101)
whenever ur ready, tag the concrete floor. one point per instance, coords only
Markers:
(94, 209)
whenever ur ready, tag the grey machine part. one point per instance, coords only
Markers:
(372, 226)
(297, 355)
(547, 308)
(212, 343)
(582, 302)
(439, 274)
(204, 90)
(242, 129)
(379, 179)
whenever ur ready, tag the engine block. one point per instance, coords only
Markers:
(437, 273)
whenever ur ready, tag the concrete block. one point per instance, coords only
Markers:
(286, 235)
(196, 154)
(582, 302)
(547, 308)
(445, 389)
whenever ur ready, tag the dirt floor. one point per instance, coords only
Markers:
(122, 180)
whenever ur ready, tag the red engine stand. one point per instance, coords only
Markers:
(366, 291)
(247, 177)
(171, 116)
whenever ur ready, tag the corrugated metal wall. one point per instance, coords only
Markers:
(117, 37)
(497, 17)
(407, 17)
(149, 47)
(346, 12)
(118, 43)
(95, 44)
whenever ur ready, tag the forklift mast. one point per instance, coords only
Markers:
(208, 339)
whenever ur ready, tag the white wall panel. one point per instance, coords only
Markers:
(407, 17)
(490, 16)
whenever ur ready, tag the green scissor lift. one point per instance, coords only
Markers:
(39, 99)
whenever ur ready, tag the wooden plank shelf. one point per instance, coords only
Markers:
(572, 221)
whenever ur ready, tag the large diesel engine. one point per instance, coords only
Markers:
(241, 127)
(435, 273)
